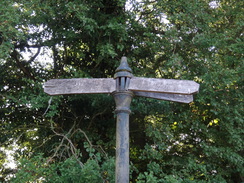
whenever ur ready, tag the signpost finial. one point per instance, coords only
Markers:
(122, 75)
(123, 70)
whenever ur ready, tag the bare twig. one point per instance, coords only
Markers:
(49, 104)
(94, 116)
(71, 145)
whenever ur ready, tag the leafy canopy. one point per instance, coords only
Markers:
(70, 138)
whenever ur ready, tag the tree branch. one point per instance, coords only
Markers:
(34, 57)
(15, 55)
(71, 145)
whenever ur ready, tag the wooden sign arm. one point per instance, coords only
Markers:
(79, 86)
(159, 85)
(166, 96)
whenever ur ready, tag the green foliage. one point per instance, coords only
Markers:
(72, 138)
(40, 169)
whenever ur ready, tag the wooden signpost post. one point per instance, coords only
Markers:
(123, 87)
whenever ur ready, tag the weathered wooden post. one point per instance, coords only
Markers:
(123, 87)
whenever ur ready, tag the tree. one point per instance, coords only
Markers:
(65, 138)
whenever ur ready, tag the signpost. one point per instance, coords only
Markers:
(123, 87)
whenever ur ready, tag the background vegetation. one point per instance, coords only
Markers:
(72, 138)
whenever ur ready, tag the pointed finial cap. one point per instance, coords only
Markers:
(123, 65)
(123, 70)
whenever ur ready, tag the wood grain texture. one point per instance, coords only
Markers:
(79, 86)
(172, 86)
(166, 96)
(140, 86)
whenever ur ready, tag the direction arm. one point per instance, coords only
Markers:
(171, 86)
(166, 96)
(79, 86)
